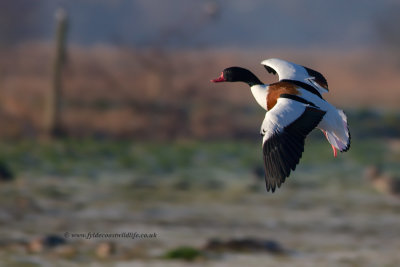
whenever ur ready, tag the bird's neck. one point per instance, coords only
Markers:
(251, 79)
(260, 92)
(239, 74)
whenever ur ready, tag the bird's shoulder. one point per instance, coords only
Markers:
(275, 90)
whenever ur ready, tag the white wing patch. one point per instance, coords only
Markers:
(287, 70)
(290, 71)
(285, 128)
(283, 113)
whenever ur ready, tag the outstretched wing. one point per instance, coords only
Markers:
(284, 130)
(290, 71)
(317, 78)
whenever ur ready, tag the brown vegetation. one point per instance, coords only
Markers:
(121, 92)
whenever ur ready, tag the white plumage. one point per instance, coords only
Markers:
(291, 71)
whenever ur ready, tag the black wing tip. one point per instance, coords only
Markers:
(269, 69)
(318, 77)
(349, 141)
(279, 162)
(272, 186)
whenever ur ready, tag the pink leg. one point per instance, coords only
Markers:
(334, 148)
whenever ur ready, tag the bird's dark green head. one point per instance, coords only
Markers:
(237, 74)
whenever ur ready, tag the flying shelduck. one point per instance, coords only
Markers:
(295, 107)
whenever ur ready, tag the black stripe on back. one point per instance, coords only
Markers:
(298, 99)
(305, 86)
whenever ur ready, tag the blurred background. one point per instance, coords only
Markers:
(109, 124)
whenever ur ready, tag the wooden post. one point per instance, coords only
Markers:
(54, 98)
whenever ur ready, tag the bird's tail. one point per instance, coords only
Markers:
(338, 135)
